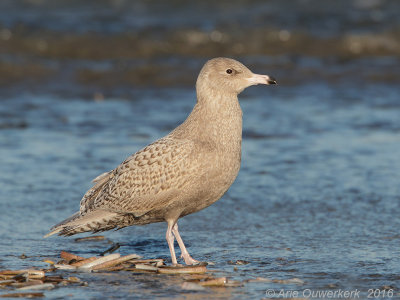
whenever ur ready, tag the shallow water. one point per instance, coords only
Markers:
(318, 194)
(317, 197)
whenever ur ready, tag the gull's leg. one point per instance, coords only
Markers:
(185, 254)
(170, 240)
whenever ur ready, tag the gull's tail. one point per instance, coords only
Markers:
(95, 221)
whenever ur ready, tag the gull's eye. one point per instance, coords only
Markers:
(229, 71)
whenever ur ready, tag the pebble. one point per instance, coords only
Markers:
(43, 286)
(22, 295)
(191, 286)
(214, 282)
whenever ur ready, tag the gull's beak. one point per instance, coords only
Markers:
(261, 79)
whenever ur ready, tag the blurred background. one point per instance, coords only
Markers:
(84, 84)
(112, 47)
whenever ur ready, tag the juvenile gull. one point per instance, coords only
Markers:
(179, 174)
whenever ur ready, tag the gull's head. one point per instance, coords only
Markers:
(226, 75)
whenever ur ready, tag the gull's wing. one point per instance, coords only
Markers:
(148, 179)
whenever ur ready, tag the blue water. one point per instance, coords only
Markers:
(317, 197)
(83, 86)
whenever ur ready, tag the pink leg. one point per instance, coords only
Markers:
(170, 240)
(185, 254)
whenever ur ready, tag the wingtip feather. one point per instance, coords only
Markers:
(55, 231)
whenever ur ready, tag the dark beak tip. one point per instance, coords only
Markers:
(272, 80)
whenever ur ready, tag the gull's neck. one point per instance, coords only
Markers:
(216, 117)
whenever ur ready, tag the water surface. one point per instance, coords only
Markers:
(317, 197)
(318, 194)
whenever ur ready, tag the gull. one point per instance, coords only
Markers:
(184, 172)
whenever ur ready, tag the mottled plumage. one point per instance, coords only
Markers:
(184, 172)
